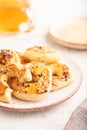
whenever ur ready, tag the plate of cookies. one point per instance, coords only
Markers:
(71, 32)
(36, 79)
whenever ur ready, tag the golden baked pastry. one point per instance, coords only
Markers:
(8, 57)
(5, 92)
(61, 75)
(36, 89)
(42, 54)
(23, 59)
(7, 73)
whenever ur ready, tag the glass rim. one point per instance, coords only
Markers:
(16, 3)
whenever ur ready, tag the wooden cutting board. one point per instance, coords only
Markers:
(78, 119)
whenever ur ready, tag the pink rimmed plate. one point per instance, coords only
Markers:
(53, 98)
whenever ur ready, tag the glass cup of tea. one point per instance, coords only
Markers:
(16, 15)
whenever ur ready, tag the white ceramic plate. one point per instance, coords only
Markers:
(57, 25)
(53, 98)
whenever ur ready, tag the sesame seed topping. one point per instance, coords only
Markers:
(45, 91)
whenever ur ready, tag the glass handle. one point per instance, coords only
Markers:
(30, 24)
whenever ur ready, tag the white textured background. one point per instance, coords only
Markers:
(55, 118)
